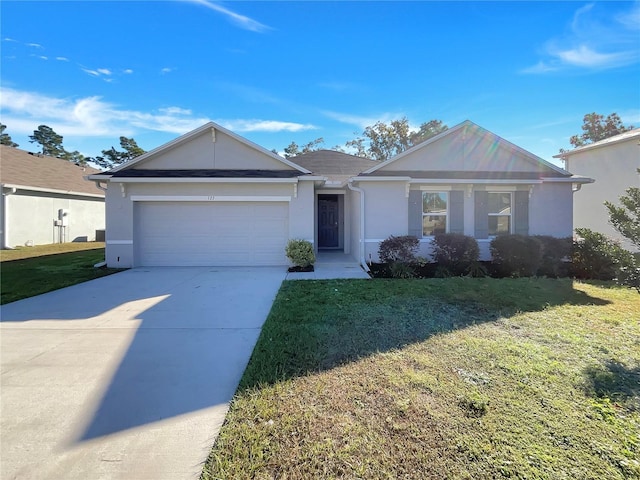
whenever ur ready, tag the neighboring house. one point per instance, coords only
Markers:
(47, 200)
(613, 163)
(211, 197)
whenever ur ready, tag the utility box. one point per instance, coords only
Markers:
(63, 216)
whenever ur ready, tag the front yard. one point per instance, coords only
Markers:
(30, 271)
(440, 378)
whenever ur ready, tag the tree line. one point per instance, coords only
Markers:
(51, 145)
(378, 142)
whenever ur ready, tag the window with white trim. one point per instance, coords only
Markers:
(499, 207)
(434, 213)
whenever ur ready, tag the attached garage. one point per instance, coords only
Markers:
(211, 233)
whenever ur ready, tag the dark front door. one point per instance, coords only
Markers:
(328, 221)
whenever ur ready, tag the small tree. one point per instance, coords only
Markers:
(626, 217)
(596, 127)
(49, 140)
(112, 157)
(5, 138)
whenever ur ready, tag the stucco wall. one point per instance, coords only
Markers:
(386, 213)
(550, 210)
(31, 215)
(467, 149)
(613, 168)
(202, 152)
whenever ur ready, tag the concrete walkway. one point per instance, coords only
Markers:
(330, 265)
(128, 376)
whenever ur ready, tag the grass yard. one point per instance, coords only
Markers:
(440, 379)
(30, 271)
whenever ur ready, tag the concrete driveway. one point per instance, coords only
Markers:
(128, 376)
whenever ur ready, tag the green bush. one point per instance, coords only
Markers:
(300, 252)
(556, 253)
(455, 253)
(399, 249)
(516, 255)
(598, 257)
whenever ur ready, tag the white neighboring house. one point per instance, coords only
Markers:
(47, 200)
(613, 163)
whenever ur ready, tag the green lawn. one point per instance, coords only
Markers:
(30, 271)
(440, 378)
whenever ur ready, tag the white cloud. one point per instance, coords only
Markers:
(166, 70)
(265, 126)
(595, 40)
(7, 39)
(62, 59)
(88, 116)
(362, 122)
(241, 21)
(93, 73)
(583, 56)
(34, 45)
(127, 71)
(104, 71)
(94, 117)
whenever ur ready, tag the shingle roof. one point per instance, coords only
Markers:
(18, 167)
(336, 166)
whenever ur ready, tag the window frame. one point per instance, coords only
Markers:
(510, 214)
(446, 214)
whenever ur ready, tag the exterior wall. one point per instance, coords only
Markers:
(614, 169)
(386, 213)
(465, 150)
(120, 236)
(387, 209)
(550, 209)
(202, 153)
(30, 217)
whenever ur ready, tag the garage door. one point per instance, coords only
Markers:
(211, 233)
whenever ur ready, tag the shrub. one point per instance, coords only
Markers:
(516, 255)
(598, 257)
(300, 252)
(555, 255)
(455, 252)
(399, 249)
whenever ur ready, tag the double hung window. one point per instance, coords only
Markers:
(499, 204)
(434, 213)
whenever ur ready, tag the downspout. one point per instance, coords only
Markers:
(363, 262)
(97, 182)
(5, 219)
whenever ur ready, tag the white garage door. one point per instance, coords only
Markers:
(211, 233)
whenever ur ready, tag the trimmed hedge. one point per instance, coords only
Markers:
(516, 255)
(455, 252)
(300, 252)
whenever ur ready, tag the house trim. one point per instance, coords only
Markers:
(52, 190)
(210, 198)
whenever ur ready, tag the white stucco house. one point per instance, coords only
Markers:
(613, 163)
(47, 200)
(211, 197)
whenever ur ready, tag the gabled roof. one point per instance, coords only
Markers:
(19, 168)
(622, 137)
(336, 166)
(528, 156)
(198, 131)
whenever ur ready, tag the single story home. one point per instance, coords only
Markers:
(613, 163)
(47, 200)
(211, 197)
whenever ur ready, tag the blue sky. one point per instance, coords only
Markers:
(276, 72)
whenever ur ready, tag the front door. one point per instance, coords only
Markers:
(328, 221)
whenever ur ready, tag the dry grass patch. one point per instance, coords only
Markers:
(455, 378)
